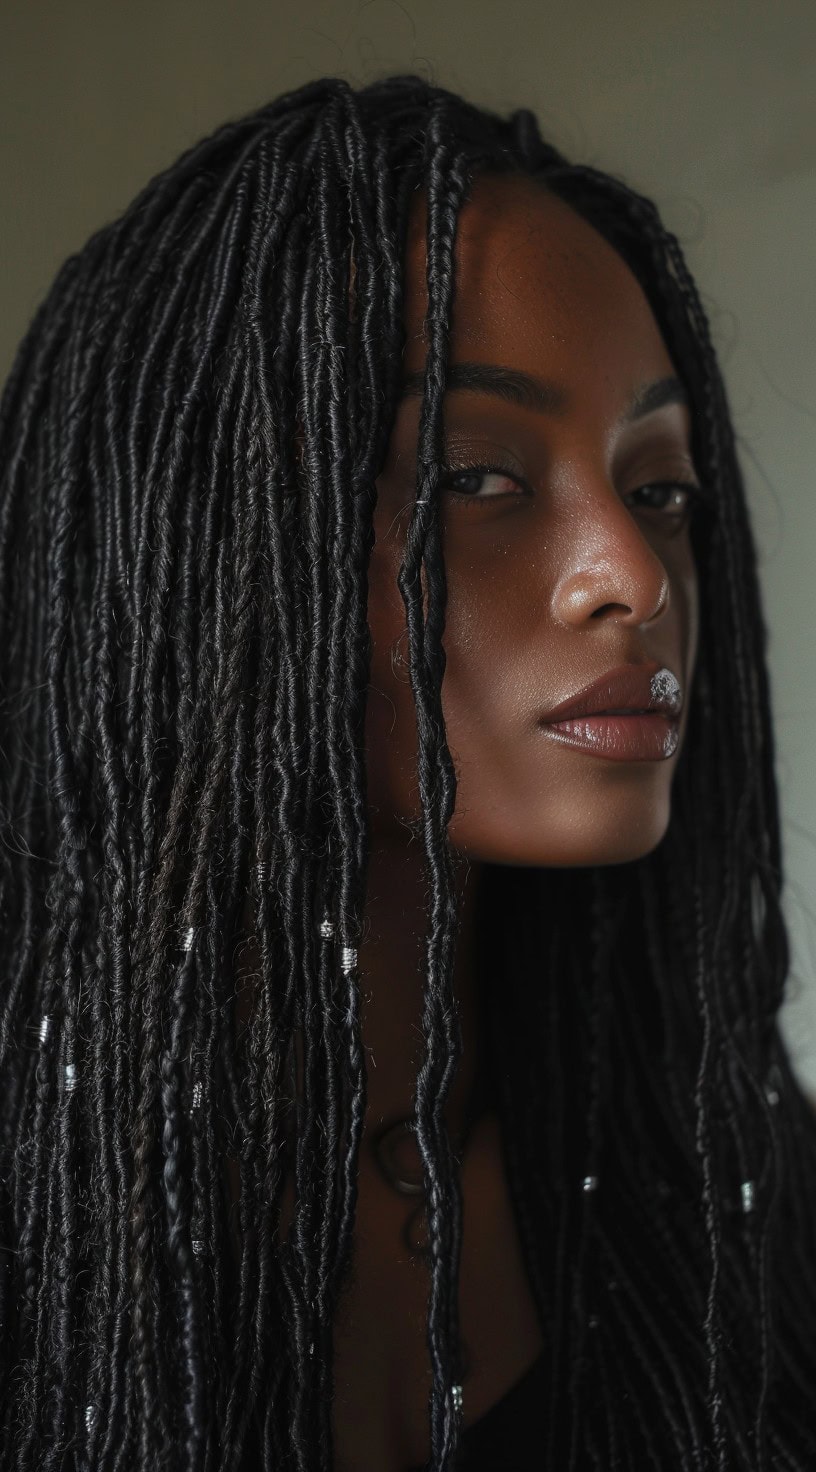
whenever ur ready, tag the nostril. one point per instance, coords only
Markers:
(611, 608)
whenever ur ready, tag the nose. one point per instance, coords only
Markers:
(610, 570)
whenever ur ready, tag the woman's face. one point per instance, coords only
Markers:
(570, 559)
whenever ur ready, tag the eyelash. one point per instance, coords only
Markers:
(693, 491)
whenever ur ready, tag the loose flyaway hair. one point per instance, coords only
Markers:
(191, 435)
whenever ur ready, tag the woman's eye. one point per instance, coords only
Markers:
(675, 499)
(480, 483)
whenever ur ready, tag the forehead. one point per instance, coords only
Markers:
(537, 288)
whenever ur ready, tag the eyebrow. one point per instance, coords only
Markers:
(530, 392)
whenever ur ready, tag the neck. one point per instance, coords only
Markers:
(391, 963)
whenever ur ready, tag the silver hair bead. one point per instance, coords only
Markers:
(71, 1078)
(197, 1246)
(348, 959)
(458, 1398)
(589, 1183)
(748, 1194)
(327, 928)
(90, 1417)
(45, 1023)
(198, 1090)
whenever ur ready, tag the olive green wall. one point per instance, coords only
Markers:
(710, 107)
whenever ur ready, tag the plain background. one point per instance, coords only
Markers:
(709, 107)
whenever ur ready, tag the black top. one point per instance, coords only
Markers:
(507, 1434)
(505, 1439)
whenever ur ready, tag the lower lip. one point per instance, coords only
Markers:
(638, 738)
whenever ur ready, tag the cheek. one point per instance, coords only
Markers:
(390, 729)
(490, 654)
(481, 680)
(686, 596)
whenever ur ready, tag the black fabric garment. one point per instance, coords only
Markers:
(507, 1436)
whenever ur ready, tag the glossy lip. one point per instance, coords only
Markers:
(629, 714)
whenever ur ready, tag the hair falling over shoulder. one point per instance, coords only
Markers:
(190, 438)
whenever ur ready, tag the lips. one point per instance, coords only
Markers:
(629, 714)
(627, 690)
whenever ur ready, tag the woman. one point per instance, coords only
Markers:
(391, 869)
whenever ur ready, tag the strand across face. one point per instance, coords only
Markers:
(566, 506)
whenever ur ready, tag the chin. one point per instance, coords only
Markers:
(615, 837)
(617, 852)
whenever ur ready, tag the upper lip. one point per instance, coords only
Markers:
(626, 688)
